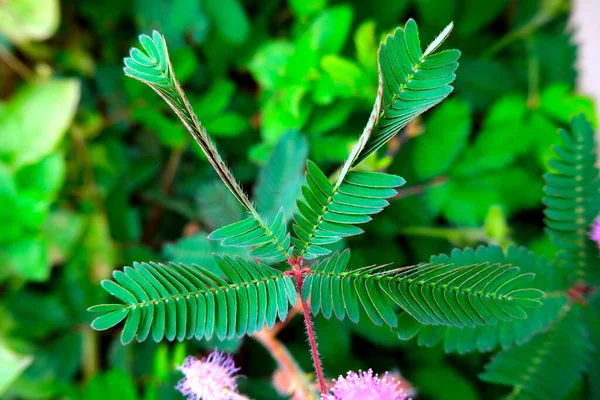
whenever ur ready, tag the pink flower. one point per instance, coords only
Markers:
(212, 378)
(365, 386)
(595, 233)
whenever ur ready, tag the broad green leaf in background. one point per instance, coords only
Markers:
(174, 17)
(27, 20)
(284, 111)
(63, 228)
(560, 102)
(11, 366)
(348, 77)
(9, 206)
(215, 100)
(446, 134)
(44, 178)
(306, 8)
(270, 61)
(366, 46)
(55, 364)
(329, 31)
(501, 139)
(111, 384)
(228, 124)
(478, 82)
(36, 119)
(332, 148)
(466, 201)
(436, 13)
(448, 380)
(230, 19)
(26, 257)
(169, 131)
(476, 14)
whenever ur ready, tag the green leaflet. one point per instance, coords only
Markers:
(504, 333)
(180, 302)
(411, 82)
(270, 244)
(446, 292)
(326, 214)
(154, 68)
(572, 201)
(546, 367)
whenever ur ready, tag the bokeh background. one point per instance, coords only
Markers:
(96, 172)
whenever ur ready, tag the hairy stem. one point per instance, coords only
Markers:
(309, 329)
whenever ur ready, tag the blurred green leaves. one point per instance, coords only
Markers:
(11, 366)
(29, 20)
(446, 135)
(230, 19)
(36, 119)
(32, 172)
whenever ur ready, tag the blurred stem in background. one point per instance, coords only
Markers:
(16, 65)
(533, 81)
(495, 230)
(168, 177)
(548, 11)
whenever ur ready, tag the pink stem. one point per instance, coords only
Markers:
(309, 326)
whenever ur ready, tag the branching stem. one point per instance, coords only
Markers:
(286, 363)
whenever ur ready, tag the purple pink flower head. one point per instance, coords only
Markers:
(212, 378)
(595, 233)
(365, 386)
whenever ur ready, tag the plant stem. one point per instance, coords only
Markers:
(547, 13)
(286, 362)
(16, 65)
(90, 360)
(309, 328)
(166, 187)
(533, 81)
(313, 347)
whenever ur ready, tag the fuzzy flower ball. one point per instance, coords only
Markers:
(212, 378)
(365, 386)
(595, 233)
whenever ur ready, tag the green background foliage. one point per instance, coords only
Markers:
(97, 173)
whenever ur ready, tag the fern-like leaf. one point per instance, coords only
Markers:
(327, 214)
(412, 83)
(546, 367)
(572, 201)
(504, 333)
(443, 293)
(154, 68)
(180, 302)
